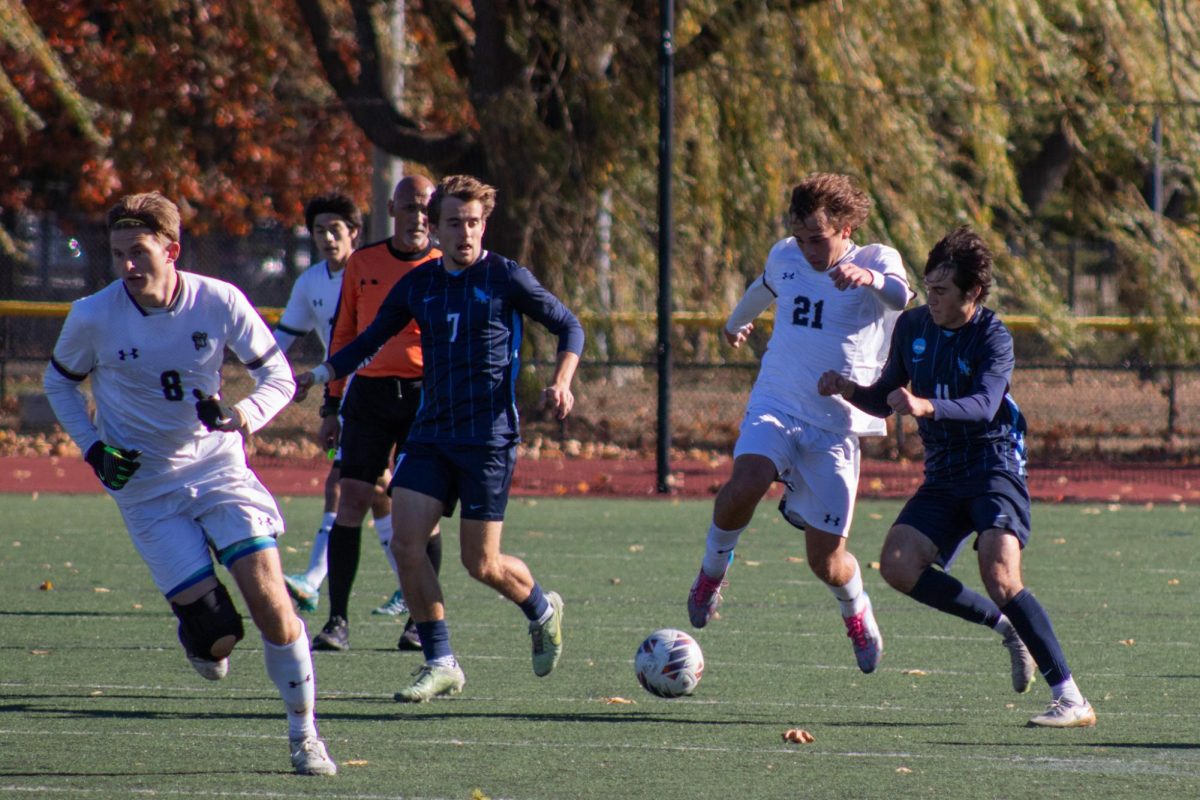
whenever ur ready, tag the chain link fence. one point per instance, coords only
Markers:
(1114, 412)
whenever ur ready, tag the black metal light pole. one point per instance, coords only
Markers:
(666, 78)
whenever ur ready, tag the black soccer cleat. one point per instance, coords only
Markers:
(334, 636)
(409, 639)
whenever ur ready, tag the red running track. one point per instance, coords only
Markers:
(1091, 482)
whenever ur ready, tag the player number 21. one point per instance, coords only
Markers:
(807, 313)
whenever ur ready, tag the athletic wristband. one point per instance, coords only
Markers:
(321, 374)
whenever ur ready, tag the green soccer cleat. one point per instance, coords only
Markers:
(306, 595)
(433, 680)
(1024, 670)
(547, 638)
(394, 607)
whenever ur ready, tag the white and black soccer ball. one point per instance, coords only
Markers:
(669, 663)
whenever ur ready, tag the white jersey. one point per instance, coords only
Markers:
(145, 364)
(311, 306)
(819, 328)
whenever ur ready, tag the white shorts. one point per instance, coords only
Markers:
(173, 532)
(818, 467)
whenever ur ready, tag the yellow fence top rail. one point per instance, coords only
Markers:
(691, 319)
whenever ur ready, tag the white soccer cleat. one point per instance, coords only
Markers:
(209, 669)
(309, 757)
(1064, 714)
(865, 637)
(1024, 668)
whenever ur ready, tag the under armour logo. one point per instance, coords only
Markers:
(318, 302)
(200, 340)
(307, 679)
(830, 519)
(787, 276)
(133, 353)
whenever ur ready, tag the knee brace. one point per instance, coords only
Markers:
(207, 622)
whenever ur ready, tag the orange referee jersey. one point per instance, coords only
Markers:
(370, 274)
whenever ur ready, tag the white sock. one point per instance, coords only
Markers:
(1004, 627)
(290, 667)
(851, 596)
(318, 559)
(383, 526)
(1068, 691)
(718, 550)
(444, 661)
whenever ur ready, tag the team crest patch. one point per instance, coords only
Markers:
(481, 296)
(200, 340)
(918, 346)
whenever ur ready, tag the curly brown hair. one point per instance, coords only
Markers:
(836, 197)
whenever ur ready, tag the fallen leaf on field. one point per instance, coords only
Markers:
(477, 794)
(290, 549)
(101, 590)
(876, 485)
(582, 487)
(875, 516)
(96, 693)
(617, 701)
(356, 762)
(1060, 540)
(795, 559)
(33, 496)
(1127, 642)
(1173, 582)
(903, 770)
(798, 735)
(39, 652)
(615, 581)
(915, 672)
(872, 565)
(48, 586)
(559, 489)
(636, 548)
(752, 563)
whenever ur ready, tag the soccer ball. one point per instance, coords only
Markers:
(669, 663)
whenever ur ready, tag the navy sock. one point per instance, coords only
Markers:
(944, 592)
(535, 605)
(345, 545)
(1033, 624)
(435, 639)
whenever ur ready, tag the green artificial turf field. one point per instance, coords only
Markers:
(96, 699)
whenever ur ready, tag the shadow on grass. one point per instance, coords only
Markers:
(28, 711)
(77, 613)
(141, 773)
(1090, 744)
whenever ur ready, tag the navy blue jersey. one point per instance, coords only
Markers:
(470, 325)
(976, 428)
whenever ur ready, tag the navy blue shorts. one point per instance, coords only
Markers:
(948, 513)
(376, 417)
(478, 476)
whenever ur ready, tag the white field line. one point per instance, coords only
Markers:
(1090, 765)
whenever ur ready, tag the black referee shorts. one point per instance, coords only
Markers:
(377, 414)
